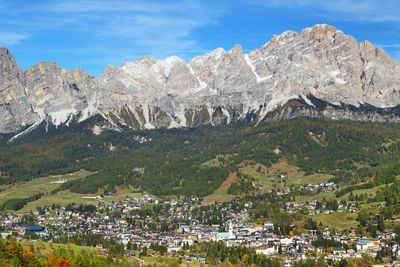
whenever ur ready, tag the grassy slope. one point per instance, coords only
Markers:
(293, 176)
(218, 195)
(62, 198)
(38, 185)
(339, 221)
(345, 220)
(44, 185)
(221, 193)
(296, 178)
(166, 261)
(45, 247)
(66, 197)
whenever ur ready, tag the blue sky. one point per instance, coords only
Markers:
(92, 34)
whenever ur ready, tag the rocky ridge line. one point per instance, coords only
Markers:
(218, 87)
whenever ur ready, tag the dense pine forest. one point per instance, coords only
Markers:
(171, 162)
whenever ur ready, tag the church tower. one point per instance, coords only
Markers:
(230, 230)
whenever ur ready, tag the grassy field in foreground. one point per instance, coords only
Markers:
(45, 248)
(167, 261)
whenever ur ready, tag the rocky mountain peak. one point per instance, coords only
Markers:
(320, 62)
(320, 30)
(15, 108)
(237, 52)
(8, 65)
(366, 47)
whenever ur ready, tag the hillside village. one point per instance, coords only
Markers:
(200, 133)
(178, 226)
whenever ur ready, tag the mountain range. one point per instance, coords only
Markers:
(319, 72)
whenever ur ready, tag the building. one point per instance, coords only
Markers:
(368, 245)
(267, 250)
(226, 235)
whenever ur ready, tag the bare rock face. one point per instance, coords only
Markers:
(213, 88)
(218, 87)
(60, 95)
(15, 108)
(325, 62)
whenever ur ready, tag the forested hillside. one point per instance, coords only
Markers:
(171, 162)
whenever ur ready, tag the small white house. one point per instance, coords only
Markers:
(267, 250)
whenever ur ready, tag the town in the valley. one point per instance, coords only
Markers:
(145, 225)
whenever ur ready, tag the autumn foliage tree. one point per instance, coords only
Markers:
(13, 254)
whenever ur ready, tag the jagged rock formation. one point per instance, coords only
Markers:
(319, 65)
(57, 94)
(15, 109)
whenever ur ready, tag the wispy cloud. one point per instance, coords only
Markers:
(93, 33)
(160, 28)
(85, 6)
(348, 10)
(160, 35)
(389, 45)
(10, 39)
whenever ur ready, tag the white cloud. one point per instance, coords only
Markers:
(348, 10)
(85, 6)
(389, 45)
(161, 35)
(157, 28)
(10, 39)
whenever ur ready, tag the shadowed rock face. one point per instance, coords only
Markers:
(219, 87)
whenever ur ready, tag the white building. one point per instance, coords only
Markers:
(267, 250)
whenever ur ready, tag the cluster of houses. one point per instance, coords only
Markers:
(319, 188)
(312, 207)
(133, 228)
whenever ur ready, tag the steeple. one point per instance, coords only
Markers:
(230, 230)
